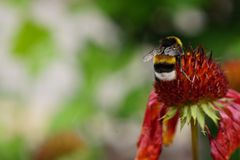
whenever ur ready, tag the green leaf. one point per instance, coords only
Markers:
(34, 45)
(189, 116)
(207, 109)
(14, 148)
(194, 112)
(170, 113)
(185, 115)
(29, 36)
(183, 122)
(201, 119)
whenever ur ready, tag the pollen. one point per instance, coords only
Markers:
(199, 78)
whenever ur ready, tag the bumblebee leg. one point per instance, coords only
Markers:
(180, 66)
(185, 74)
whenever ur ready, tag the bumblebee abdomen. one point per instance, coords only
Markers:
(165, 67)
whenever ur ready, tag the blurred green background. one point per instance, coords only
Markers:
(72, 81)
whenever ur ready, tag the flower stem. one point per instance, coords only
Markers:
(194, 130)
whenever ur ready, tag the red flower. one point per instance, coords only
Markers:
(232, 72)
(204, 91)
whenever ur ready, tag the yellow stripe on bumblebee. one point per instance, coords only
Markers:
(164, 59)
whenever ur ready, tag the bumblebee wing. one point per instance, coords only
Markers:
(150, 55)
(147, 57)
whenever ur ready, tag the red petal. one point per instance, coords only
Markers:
(169, 129)
(228, 136)
(150, 141)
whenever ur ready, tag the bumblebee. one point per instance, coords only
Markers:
(166, 57)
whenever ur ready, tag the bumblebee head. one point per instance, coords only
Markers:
(170, 48)
(171, 41)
